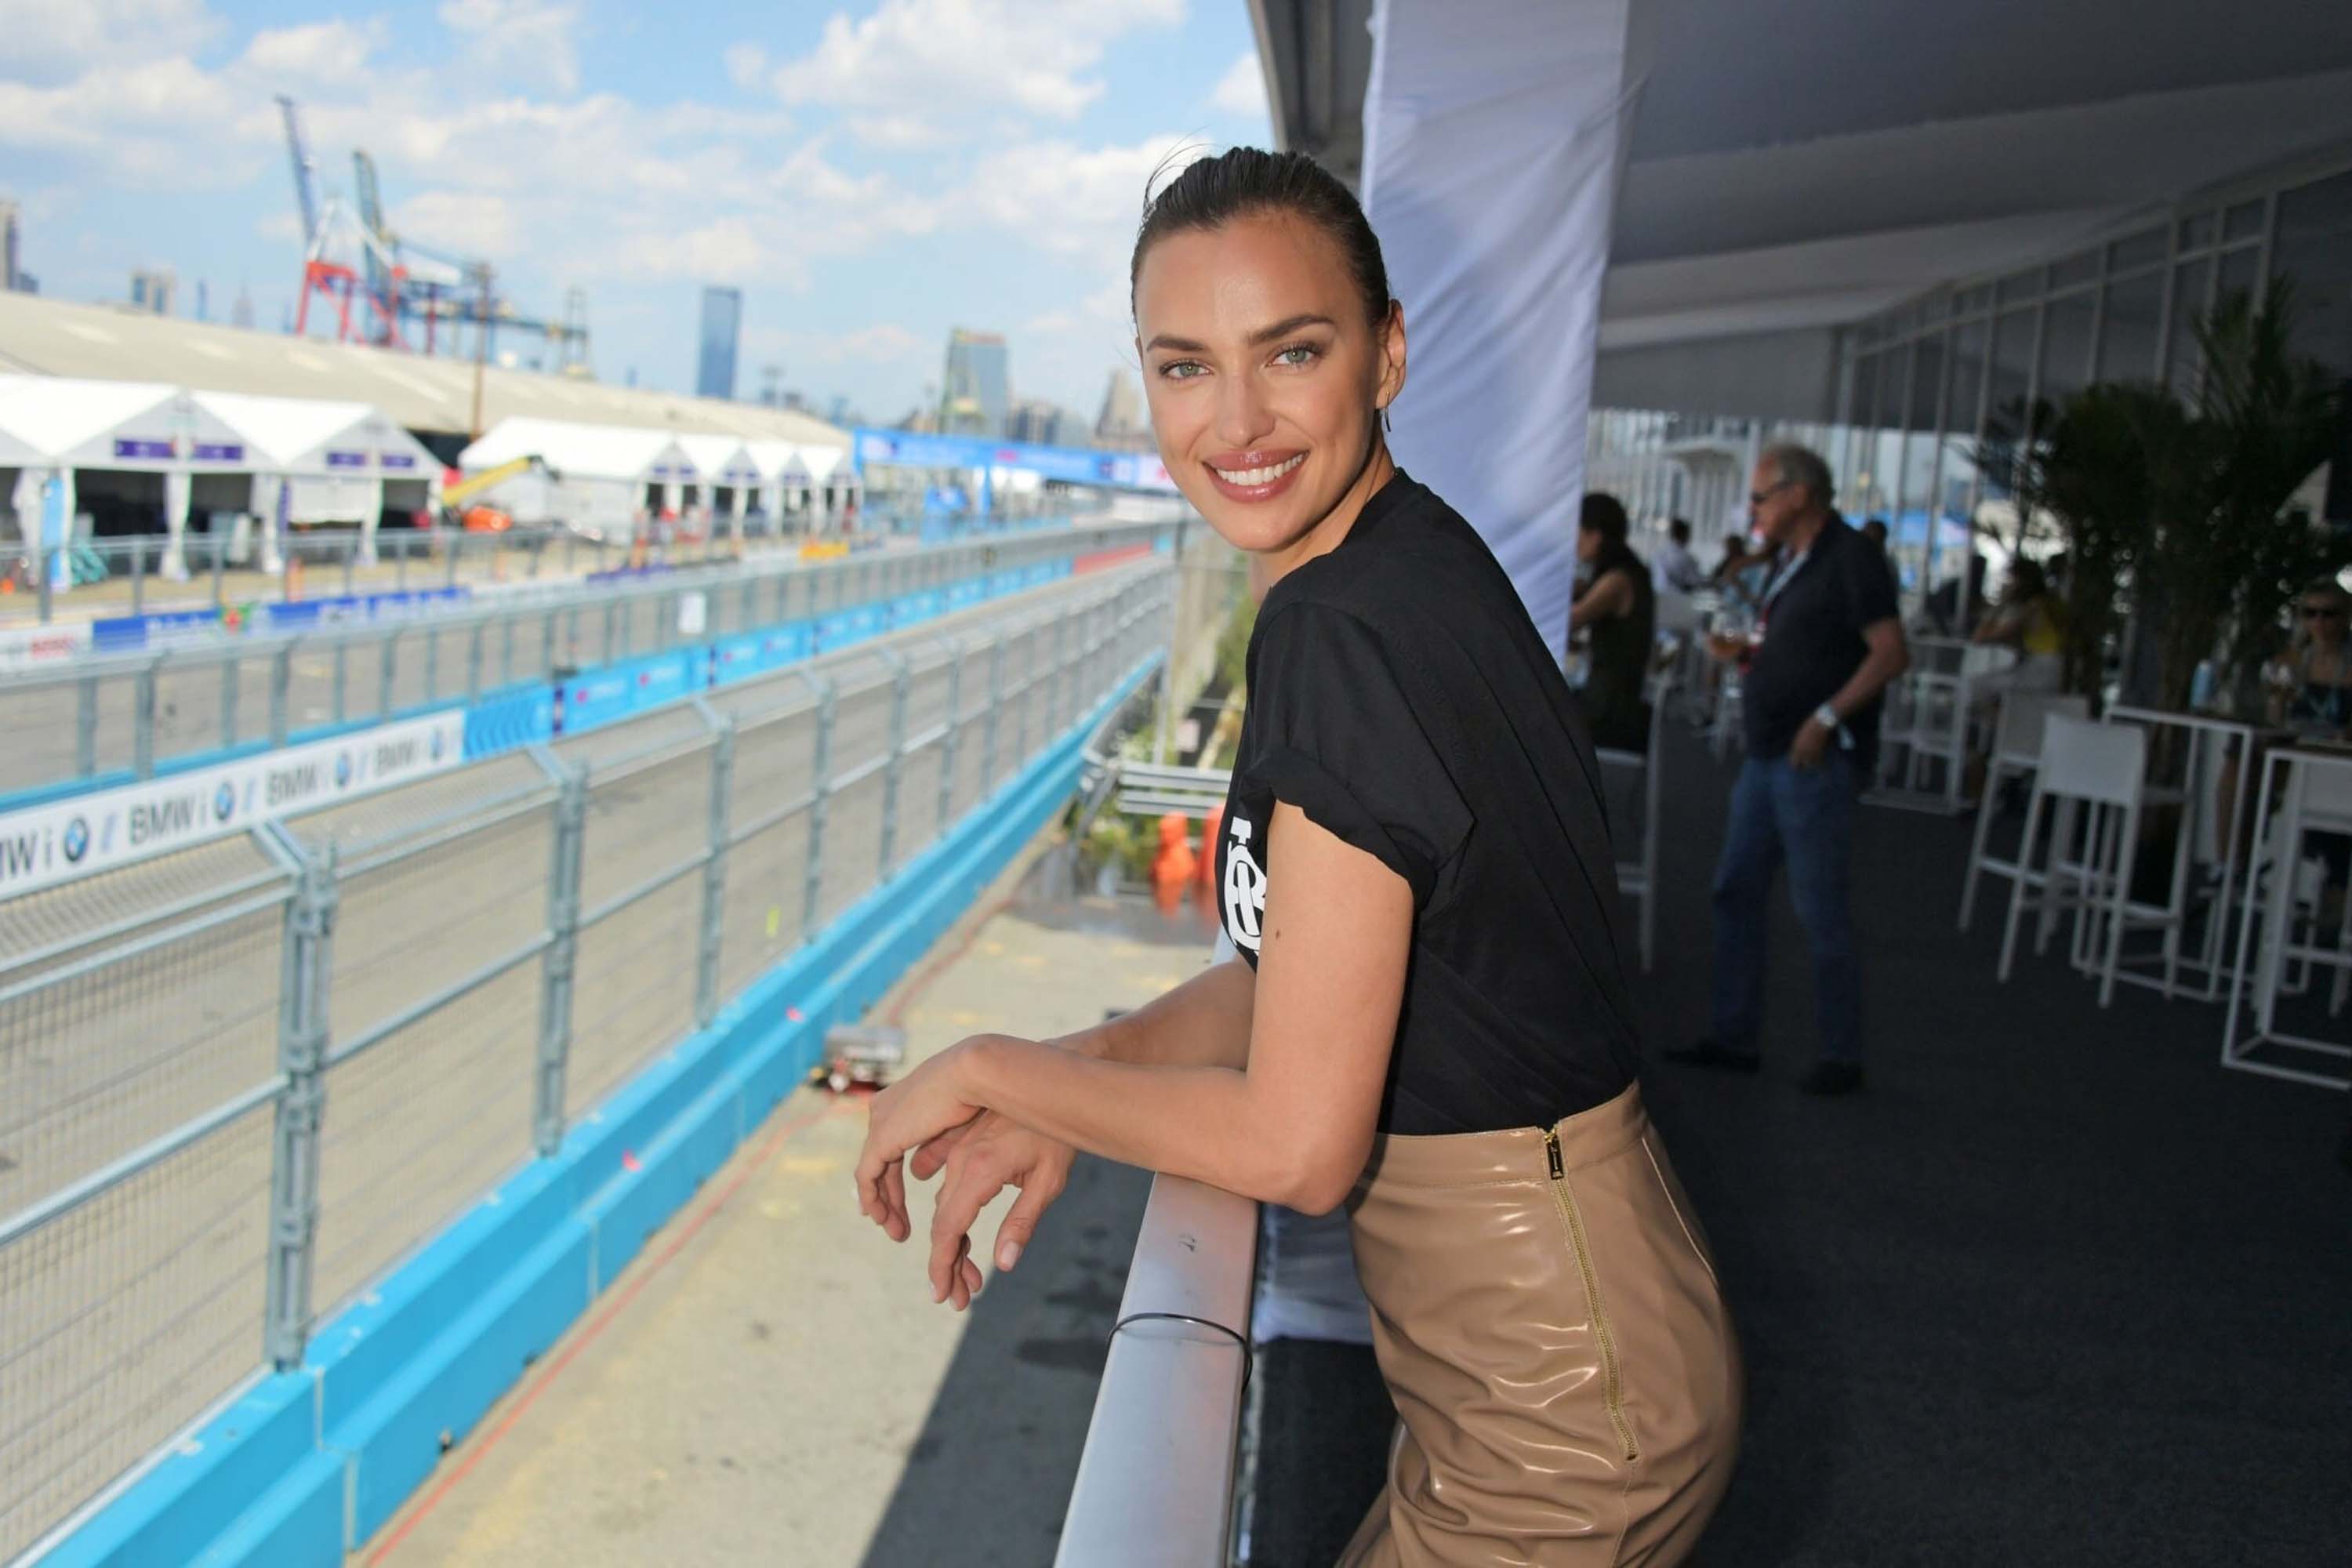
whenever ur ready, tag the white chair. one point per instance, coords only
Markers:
(1637, 877)
(2102, 767)
(2016, 751)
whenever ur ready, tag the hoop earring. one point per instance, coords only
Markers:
(1384, 419)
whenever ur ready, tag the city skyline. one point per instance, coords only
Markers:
(868, 177)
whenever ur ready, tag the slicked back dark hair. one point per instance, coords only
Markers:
(1603, 515)
(1248, 182)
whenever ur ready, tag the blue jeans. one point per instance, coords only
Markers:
(1806, 816)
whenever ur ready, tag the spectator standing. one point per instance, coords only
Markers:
(1829, 639)
(1617, 617)
(1673, 570)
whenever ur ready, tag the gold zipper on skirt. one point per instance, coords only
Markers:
(1613, 1391)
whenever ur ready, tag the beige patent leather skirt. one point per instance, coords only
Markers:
(1545, 1311)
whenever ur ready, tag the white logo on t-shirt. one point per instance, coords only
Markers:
(1245, 887)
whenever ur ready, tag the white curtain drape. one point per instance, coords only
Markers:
(1494, 137)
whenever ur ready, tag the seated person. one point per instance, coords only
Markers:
(2030, 619)
(1616, 617)
(2316, 667)
(1673, 570)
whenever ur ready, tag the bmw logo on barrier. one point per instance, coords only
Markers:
(224, 800)
(343, 769)
(77, 841)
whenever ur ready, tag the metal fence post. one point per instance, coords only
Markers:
(308, 962)
(949, 745)
(142, 722)
(556, 968)
(1055, 677)
(388, 673)
(220, 551)
(42, 567)
(995, 707)
(86, 727)
(282, 676)
(343, 670)
(901, 684)
(139, 577)
(232, 686)
(714, 875)
(821, 789)
(1028, 699)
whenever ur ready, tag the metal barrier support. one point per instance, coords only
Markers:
(714, 875)
(301, 1108)
(563, 957)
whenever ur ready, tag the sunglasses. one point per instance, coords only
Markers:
(2323, 612)
(1758, 498)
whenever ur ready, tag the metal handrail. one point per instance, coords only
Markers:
(1155, 1483)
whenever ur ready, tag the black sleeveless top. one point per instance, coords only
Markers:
(1401, 698)
(1620, 648)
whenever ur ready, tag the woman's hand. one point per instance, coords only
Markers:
(914, 1110)
(982, 1158)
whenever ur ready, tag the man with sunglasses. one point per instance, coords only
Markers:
(1829, 638)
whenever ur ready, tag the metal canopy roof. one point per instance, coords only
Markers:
(50, 337)
(1808, 163)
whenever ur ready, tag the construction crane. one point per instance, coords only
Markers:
(404, 281)
(299, 148)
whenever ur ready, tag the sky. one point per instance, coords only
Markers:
(870, 174)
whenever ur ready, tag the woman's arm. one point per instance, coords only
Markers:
(1204, 1022)
(1605, 601)
(1292, 1123)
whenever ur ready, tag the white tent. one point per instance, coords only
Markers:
(821, 463)
(600, 470)
(59, 424)
(313, 462)
(714, 458)
(777, 465)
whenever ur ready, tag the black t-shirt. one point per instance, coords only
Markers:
(1401, 698)
(1813, 643)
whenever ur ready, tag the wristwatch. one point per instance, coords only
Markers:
(1827, 718)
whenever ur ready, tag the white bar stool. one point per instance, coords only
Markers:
(2104, 768)
(2016, 751)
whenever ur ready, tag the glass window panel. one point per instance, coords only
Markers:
(2189, 285)
(1975, 299)
(2239, 268)
(2065, 349)
(2244, 222)
(1860, 411)
(2019, 286)
(2129, 326)
(1966, 387)
(2196, 231)
(2074, 270)
(2312, 250)
(2006, 414)
(1916, 564)
(2138, 250)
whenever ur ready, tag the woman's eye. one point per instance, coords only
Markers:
(1305, 355)
(1181, 369)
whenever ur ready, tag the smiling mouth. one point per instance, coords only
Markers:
(1245, 477)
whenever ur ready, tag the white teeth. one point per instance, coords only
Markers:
(1247, 477)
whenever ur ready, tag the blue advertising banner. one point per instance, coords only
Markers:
(127, 633)
(1072, 465)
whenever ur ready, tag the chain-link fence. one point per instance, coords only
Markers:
(219, 1122)
(118, 717)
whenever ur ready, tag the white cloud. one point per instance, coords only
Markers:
(464, 223)
(1072, 200)
(54, 40)
(532, 37)
(324, 52)
(940, 60)
(745, 64)
(1242, 90)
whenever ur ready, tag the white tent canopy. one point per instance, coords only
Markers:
(576, 451)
